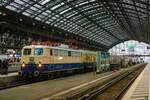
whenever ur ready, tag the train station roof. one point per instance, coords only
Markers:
(106, 22)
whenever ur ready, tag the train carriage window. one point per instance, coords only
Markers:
(78, 54)
(38, 51)
(69, 53)
(55, 52)
(27, 52)
(51, 52)
(65, 53)
(72, 53)
(61, 52)
(75, 54)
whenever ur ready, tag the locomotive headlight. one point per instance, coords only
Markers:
(23, 65)
(39, 65)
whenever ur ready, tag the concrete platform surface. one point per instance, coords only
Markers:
(140, 89)
(9, 75)
(43, 89)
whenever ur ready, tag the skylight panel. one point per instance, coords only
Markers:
(4, 2)
(11, 8)
(48, 11)
(37, 18)
(64, 11)
(20, 2)
(82, 3)
(92, 0)
(45, 14)
(15, 5)
(38, 6)
(47, 22)
(33, 8)
(54, 7)
(44, 1)
(26, 14)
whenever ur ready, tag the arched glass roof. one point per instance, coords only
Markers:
(104, 21)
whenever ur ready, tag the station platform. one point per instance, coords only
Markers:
(140, 89)
(45, 89)
(10, 77)
(14, 68)
(37, 91)
(12, 74)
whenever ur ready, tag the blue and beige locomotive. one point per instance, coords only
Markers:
(37, 60)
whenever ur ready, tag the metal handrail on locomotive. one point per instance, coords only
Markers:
(37, 60)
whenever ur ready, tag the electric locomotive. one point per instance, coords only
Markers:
(37, 60)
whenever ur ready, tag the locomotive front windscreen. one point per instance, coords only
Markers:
(38, 51)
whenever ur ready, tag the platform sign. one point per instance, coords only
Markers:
(17, 55)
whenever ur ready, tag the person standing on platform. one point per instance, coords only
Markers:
(6, 66)
(0, 66)
(3, 67)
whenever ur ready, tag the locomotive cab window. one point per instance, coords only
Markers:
(27, 52)
(38, 51)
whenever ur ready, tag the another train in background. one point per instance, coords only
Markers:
(122, 61)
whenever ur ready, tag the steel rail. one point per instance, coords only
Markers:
(101, 89)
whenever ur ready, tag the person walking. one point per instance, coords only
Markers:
(3, 67)
(6, 66)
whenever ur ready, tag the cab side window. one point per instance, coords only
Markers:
(51, 52)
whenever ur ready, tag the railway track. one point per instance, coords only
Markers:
(110, 90)
(117, 90)
(114, 89)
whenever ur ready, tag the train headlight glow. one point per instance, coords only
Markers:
(23, 65)
(40, 65)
